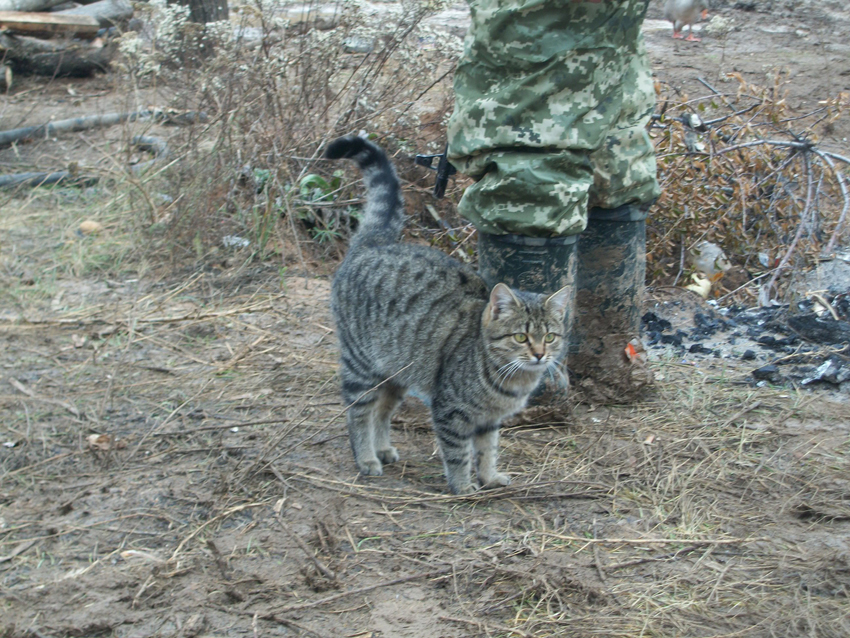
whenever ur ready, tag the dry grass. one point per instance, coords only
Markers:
(711, 509)
(176, 456)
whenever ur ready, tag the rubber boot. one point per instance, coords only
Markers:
(607, 358)
(533, 264)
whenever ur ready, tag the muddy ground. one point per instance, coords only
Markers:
(174, 459)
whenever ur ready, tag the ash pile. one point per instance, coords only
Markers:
(805, 343)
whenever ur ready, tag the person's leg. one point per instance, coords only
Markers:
(606, 354)
(538, 90)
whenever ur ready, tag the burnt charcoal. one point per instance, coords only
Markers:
(766, 373)
(775, 326)
(698, 348)
(653, 323)
(766, 341)
(768, 318)
(841, 303)
(707, 325)
(748, 355)
(674, 339)
(652, 337)
(824, 329)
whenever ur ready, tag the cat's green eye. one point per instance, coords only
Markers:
(549, 338)
(521, 337)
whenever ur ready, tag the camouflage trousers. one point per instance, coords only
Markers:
(552, 98)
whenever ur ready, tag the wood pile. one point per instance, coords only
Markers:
(58, 38)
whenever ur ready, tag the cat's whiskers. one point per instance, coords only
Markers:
(510, 369)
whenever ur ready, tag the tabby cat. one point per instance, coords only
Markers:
(412, 318)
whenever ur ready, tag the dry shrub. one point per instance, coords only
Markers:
(741, 170)
(275, 90)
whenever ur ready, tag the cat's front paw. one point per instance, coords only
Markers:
(389, 455)
(370, 468)
(496, 480)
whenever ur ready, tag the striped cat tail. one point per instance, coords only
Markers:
(383, 216)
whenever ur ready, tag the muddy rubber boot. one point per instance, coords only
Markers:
(607, 357)
(534, 264)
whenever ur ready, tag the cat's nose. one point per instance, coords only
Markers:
(539, 355)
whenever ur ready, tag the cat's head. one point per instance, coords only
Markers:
(524, 331)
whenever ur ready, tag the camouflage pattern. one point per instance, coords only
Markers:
(552, 98)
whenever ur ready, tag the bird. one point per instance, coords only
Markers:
(685, 12)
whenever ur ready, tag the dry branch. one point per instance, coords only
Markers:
(215, 519)
(360, 590)
(41, 57)
(46, 179)
(765, 199)
(28, 5)
(88, 122)
(319, 564)
(651, 541)
(487, 627)
(106, 12)
(827, 157)
(19, 549)
(73, 178)
(764, 293)
(48, 24)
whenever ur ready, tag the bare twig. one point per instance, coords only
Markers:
(488, 627)
(319, 564)
(764, 293)
(827, 157)
(360, 590)
(215, 519)
(20, 387)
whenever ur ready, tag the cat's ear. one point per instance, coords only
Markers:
(502, 300)
(558, 302)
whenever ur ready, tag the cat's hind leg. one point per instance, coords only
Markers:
(451, 427)
(362, 401)
(485, 442)
(389, 398)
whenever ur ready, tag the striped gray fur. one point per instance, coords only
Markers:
(410, 318)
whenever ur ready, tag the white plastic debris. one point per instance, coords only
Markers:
(235, 241)
(701, 285)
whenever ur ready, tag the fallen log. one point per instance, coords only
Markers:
(48, 24)
(154, 145)
(31, 56)
(28, 5)
(96, 121)
(106, 12)
(46, 179)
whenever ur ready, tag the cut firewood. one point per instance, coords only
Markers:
(106, 12)
(28, 5)
(32, 23)
(54, 59)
